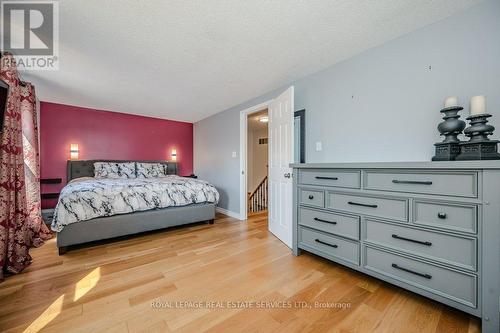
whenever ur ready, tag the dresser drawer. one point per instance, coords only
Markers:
(461, 184)
(338, 178)
(392, 208)
(330, 245)
(338, 224)
(312, 197)
(452, 284)
(446, 216)
(454, 250)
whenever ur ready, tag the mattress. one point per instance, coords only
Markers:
(88, 198)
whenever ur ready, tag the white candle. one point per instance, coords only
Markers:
(477, 105)
(451, 101)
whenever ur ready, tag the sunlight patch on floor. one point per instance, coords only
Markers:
(47, 316)
(87, 283)
(82, 287)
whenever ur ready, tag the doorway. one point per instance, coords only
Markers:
(257, 162)
(280, 156)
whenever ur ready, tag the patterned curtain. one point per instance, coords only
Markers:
(21, 225)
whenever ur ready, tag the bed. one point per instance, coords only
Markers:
(75, 225)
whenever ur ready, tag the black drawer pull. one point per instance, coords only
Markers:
(361, 204)
(324, 221)
(413, 182)
(311, 196)
(325, 243)
(328, 178)
(442, 215)
(411, 240)
(427, 276)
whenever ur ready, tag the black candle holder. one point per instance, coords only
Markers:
(479, 147)
(450, 128)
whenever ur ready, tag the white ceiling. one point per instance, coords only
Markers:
(186, 60)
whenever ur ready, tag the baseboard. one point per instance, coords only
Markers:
(228, 213)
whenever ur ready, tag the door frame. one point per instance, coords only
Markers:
(302, 138)
(243, 154)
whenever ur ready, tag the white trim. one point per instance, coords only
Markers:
(228, 213)
(243, 154)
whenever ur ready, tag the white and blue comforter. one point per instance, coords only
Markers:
(90, 198)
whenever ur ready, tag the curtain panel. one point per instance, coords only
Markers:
(21, 224)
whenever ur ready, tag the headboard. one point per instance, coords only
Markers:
(80, 168)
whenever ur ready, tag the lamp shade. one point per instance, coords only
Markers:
(73, 149)
(174, 155)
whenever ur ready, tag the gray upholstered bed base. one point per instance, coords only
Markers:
(128, 224)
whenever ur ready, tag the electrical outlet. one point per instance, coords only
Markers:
(233, 155)
(319, 146)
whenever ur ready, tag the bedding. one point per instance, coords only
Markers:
(92, 198)
(114, 170)
(151, 170)
(80, 179)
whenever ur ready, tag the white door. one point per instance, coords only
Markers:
(281, 112)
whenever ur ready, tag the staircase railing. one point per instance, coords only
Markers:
(258, 200)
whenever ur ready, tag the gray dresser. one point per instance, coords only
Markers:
(432, 228)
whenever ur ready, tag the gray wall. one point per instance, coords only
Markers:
(382, 105)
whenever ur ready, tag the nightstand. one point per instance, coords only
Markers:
(46, 196)
(50, 195)
(50, 180)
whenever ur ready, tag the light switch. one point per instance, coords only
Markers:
(234, 154)
(319, 146)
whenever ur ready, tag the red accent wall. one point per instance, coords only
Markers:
(107, 135)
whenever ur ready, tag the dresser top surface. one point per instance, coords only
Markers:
(465, 165)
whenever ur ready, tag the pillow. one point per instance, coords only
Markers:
(114, 170)
(151, 170)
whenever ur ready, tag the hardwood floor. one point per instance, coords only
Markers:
(158, 282)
